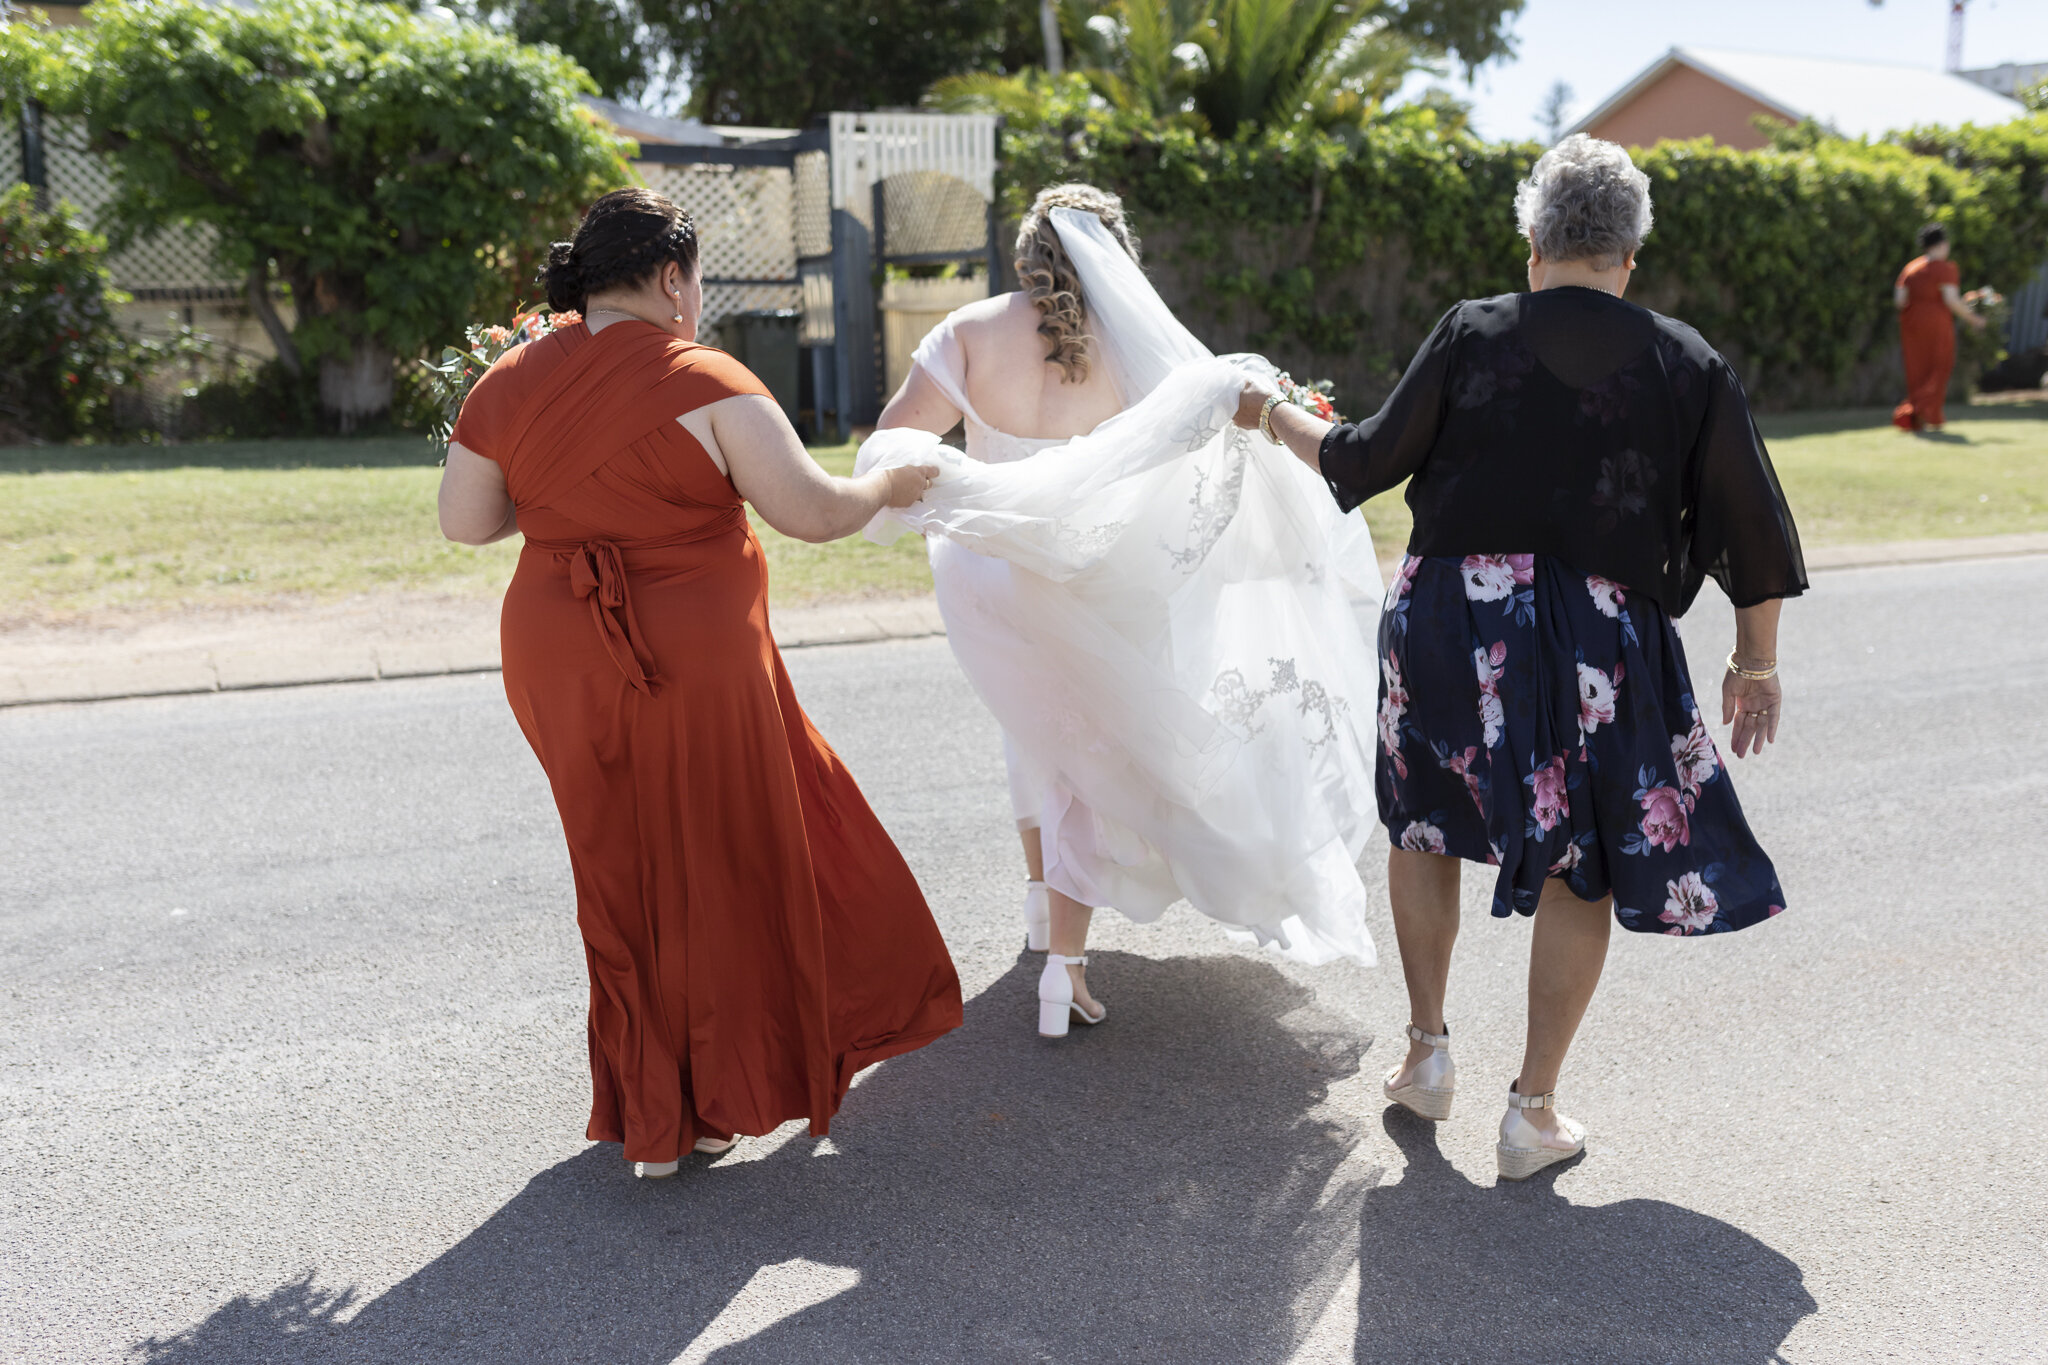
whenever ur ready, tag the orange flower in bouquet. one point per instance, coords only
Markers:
(1315, 396)
(462, 366)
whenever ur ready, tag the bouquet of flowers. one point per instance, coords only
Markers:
(1978, 349)
(461, 367)
(1314, 396)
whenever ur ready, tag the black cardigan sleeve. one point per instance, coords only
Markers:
(1742, 532)
(1361, 460)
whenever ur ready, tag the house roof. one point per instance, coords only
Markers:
(2009, 78)
(658, 128)
(653, 127)
(1856, 99)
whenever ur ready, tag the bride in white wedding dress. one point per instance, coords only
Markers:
(1167, 614)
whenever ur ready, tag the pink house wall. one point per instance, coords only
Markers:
(1684, 103)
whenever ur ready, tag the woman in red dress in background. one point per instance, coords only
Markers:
(754, 939)
(1927, 295)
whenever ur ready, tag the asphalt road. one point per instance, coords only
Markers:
(292, 1065)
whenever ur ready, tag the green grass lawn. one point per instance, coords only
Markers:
(1853, 477)
(87, 529)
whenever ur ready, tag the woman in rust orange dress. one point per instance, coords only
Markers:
(754, 939)
(1928, 303)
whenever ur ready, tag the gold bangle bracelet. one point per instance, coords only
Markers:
(1752, 674)
(1273, 400)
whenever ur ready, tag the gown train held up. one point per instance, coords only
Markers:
(1171, 621)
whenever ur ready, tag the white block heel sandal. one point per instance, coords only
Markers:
(662, 1170)
(1037, 918)
(1056, 1004)
(1521, 1148)
(1432, 1082)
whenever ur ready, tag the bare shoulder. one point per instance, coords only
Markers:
(996, 313)
(1005, 324)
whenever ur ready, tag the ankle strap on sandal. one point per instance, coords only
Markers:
(1544, 1101)
(1081, 961)
(1436, 1040)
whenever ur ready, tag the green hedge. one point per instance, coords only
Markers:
(1335, 254)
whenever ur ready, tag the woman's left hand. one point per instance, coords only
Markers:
(908, 483)
(1754, 706)
(1251, 400)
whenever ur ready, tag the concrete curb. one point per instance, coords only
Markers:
(260, 650)
(1925, 551)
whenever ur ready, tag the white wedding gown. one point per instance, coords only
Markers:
(1172, 622)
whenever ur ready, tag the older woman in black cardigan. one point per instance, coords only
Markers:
(1577, 467)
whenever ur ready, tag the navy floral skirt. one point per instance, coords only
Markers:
(1542, 720)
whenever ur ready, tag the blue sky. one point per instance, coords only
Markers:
(1596, 45)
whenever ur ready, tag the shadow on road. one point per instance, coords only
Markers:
(1450, 1270)
(1156, 1189)
(1160, 1189)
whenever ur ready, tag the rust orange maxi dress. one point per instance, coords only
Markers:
(1927, 335)
(753, 936)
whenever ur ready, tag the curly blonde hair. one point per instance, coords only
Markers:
(1048, 278)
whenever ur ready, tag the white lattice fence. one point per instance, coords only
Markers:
(746, 231)
(10, 155)
(932, 211)
(870, 148)
(813, 204)
(173, 263)
(814, 245)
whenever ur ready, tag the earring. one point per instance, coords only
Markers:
(677, 316)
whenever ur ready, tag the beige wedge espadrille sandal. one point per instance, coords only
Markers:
(1432, 1083)
(1521, 1148)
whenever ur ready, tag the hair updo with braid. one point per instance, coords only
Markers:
(624, 238)
(1048, 278)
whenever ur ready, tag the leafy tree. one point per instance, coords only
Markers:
(610, 39)
(1554, 114)
(1225, 66)
(1474, 32)
(781, 62)
(1448, 115)
(397, 173)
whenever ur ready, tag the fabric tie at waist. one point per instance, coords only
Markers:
(597, 573)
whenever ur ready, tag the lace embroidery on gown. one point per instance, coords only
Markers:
(1171, 621)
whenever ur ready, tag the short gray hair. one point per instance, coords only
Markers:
(1584, 201)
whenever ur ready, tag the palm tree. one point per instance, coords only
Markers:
(1279, 62)
(1220, 65)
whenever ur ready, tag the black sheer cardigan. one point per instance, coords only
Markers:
(1571, 423)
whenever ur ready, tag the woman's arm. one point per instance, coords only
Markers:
(768, 465)
(1954, 299)
(921, 405)
(475, 508)
(1362, 460)
(1300, 430)
(1901, 296)
(1740, 533)
(1754, 705)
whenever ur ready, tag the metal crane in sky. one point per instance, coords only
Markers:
(1954, 60)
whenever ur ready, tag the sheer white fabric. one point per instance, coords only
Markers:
(1170, 619)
